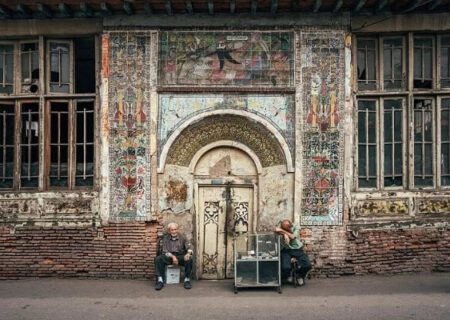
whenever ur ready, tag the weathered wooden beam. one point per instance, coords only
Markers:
(273, 6)
(232, 6)
(211, 7)
(86, 10)
(381, 5)
(148, 8)
(254, 6)
(189, 7)
(44, 10)
(23, 11)
(317, 6)
(434, 4)
(128, 8)
(65, 10)
(5, 12)
(168, 6)
(106, 9)
(338, 5)
(359, 5)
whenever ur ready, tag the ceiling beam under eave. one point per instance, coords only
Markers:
(106, 9)
(128, 8)
(273, 6)
(5, 13)
(359, 5)
(317, 6)
(434, 4)
(86, 10)
(65, 10)
(168, 6)
(338, 5)
(23, 11)
(211, 7)
(254, 6)
(189, 7)
(232, 6)
(44, 10)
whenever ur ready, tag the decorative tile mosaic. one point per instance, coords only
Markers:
(226, 58)
(382, 208)
(178, 108)
(129, 101)
(322, 69)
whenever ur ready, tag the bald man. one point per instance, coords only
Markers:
(292, 248)
(176, 250)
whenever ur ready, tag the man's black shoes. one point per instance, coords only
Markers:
(159, 285)
(187, 285)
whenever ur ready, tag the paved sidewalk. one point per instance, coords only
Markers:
(412, 296)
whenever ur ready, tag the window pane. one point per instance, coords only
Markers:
(423, 142)
(29, 146)
(59, 144)
(6, 68)
(445, 62)
(445, 142)
(7, 129)
(423, 63)
(367, 148)
(85, 144)
(393, 142)
(29, 56)
(393, 63)
(59, 67)
(366, 55)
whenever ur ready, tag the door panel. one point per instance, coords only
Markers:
(222, 211)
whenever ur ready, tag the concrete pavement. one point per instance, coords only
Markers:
(412, 296)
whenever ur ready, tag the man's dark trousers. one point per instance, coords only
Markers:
(302, 260)
(162, 261)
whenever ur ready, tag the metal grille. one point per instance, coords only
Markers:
(423, 142)
(393, 143)
(367, 144)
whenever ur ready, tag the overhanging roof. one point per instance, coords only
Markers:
(67, 9)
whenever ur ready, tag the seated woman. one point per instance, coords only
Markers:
(292, 247)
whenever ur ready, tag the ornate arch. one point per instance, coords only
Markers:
(208, 130)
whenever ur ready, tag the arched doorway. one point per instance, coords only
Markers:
(226, 180)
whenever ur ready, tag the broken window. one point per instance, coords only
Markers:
(367, 59)
(47, 142)
(6, 68)
(29, 57)
(423, 142)
(423, 62)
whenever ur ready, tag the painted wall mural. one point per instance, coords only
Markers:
(322, 69)
(177, 108)
(226, 58)
(382, 208)
(129, 113)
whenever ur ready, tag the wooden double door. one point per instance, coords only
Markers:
(222, 211)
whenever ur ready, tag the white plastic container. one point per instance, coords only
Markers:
(172, 274)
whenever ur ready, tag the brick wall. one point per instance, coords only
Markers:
(118, 250)
(335, 251)
(127, 250)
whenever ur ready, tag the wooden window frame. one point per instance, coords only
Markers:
(43, 98)
(71, 66)
(438, 62)
(377, 59)
(439, 143)
(381, 63)
(377, 169)
(432, 37)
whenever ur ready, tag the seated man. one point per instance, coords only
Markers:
(292, 247)
(177, 251)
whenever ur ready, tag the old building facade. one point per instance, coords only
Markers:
(118, 117)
